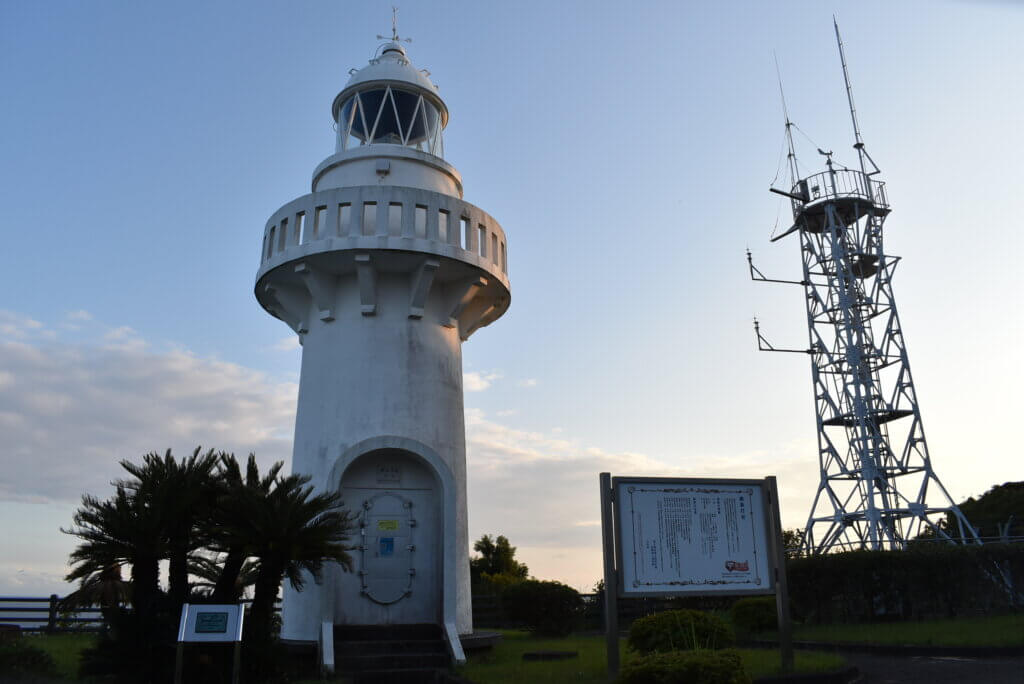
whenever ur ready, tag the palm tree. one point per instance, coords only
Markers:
(210, 571)
(119, 531)
(106, 589)
(182, 494)
(292, 531)
(236, 548)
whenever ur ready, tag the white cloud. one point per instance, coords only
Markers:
(289, 343)
(79, 315)
(476, 381)
(528, 382)
(69, 413)
(123, 338)
(14, 326)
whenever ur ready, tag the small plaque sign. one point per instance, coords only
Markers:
(389, 472)
(387, 525)
(387, 546)
(211, 623)
(204, 623)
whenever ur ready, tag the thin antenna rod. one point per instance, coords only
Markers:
(859, 145)
(794, 173)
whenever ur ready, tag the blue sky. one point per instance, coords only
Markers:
(626, 149)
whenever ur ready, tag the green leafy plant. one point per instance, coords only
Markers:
(497, 557)
(754, 615)
(208, 520)
(679, 630)
(686, 667)
(19, 659)
(545, 608)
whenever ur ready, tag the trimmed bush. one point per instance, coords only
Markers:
(545, 608)
(21, 659)
(679, 630)
(755, 615)
(686, 667)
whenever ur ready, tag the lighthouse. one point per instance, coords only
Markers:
(383, 271)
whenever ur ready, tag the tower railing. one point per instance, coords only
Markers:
(838, 184)
(385, 217)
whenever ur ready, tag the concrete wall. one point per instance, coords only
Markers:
(365, 377)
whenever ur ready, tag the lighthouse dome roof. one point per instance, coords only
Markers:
(391, 66)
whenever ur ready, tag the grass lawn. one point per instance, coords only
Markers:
(64, 648)
(999, 630)
(505, 662)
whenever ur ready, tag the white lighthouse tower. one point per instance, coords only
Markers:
(383, 271)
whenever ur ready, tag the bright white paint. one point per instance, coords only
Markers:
(382, 295)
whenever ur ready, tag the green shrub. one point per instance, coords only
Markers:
(496, 583)
(679, 630)
(19, 658)
(545, 608)
(685, 667)
(754, 615)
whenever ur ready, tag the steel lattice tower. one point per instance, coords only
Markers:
(877, 488)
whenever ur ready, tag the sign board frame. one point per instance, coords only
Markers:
(196, 627)
(756, 523)
(774, 555)
(190, 629)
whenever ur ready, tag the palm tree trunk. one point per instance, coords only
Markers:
(177, 576)
(268, 581)
(145, 584)
(226, 589)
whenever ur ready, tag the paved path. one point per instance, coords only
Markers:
(886, 669)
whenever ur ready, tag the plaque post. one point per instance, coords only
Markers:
(611, 581)
(781, 583)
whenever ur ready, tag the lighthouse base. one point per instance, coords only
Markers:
(405, 565)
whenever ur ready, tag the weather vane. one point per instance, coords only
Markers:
(394, 28)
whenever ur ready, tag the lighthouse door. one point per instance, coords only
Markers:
(397, 559)
(388, 548)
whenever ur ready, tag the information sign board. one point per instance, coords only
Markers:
(206, 623)
(687, 536)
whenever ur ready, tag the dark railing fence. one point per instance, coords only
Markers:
(44, 614)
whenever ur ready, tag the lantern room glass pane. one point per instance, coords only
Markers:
(392, 117)
(345, 120)
(387, 130)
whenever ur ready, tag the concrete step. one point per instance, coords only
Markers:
(343, 648)
(387, 632)
(391, 661)
(380, 654)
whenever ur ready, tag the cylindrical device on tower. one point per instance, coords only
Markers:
(383, 270)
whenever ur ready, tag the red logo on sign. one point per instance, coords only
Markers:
(736, 566)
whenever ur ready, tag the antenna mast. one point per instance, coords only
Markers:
(794, 173)
(859, 144)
